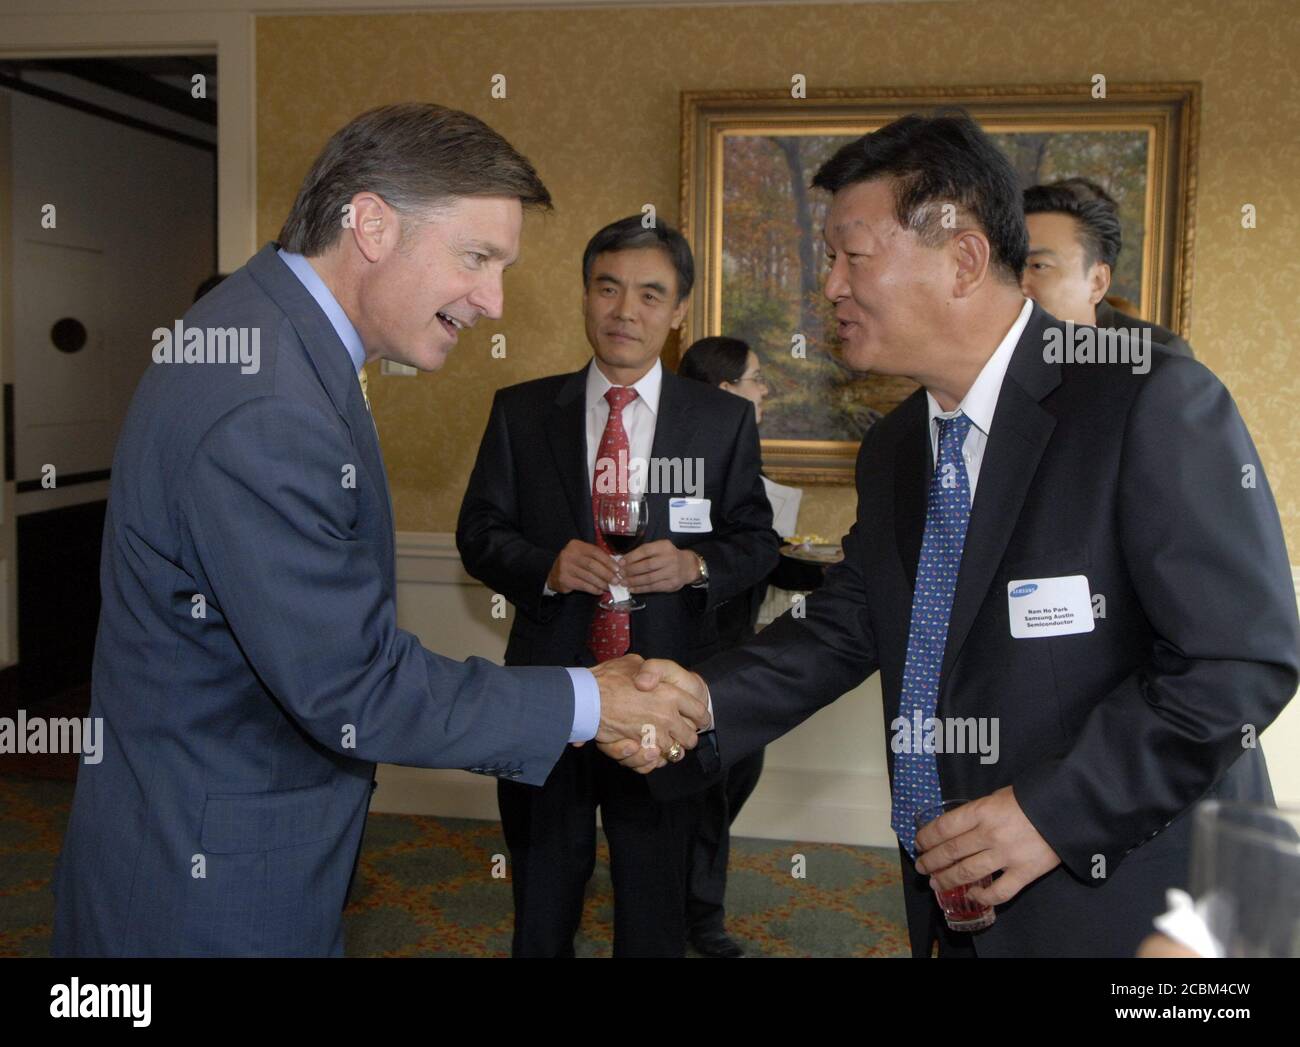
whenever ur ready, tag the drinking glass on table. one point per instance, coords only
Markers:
(1245, 877)
(621, 520)
(961, 912)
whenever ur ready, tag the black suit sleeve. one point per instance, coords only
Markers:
(803, 661)
(1203, 544)
(806, 659)
(489, 538)
(743, 549)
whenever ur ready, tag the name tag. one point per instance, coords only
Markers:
(1049, 606)
(689, 514)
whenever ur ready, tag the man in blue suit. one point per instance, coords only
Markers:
(248, 668)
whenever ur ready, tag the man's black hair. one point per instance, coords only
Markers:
(628, 233)
(714, 359)
(937, 160)
(1096, 215)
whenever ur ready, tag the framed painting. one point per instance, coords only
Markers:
(748, 158)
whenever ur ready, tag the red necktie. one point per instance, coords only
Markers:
(609, 635)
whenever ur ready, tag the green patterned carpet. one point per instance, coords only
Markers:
(426, 889)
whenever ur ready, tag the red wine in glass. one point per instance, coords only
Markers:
(622, 544)
(622, 520)
(961, 912)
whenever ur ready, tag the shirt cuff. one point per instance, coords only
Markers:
(547, 590)
(709, 696)
(586, 705)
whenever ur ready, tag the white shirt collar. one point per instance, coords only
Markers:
(981, 399)
(647, 388)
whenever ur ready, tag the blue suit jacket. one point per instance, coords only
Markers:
(241, 730)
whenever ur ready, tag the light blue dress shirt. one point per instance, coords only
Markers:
(586, 692)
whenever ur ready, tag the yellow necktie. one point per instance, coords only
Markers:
(361, 377)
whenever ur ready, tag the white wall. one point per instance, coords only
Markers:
(824, 782)
(135, 234)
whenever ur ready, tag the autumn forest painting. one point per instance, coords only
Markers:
(773, 263)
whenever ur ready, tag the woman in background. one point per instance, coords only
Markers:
(733, 367)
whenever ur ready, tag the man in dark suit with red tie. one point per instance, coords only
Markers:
(1080, 563)
(527, 530)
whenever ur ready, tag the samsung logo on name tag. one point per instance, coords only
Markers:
(1024, 590)
(689, 515)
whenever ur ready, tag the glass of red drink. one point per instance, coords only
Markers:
(621, 520)
(960, 911)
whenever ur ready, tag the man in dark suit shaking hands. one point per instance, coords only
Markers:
(527, 529)
(248, 666)
(1079, 563)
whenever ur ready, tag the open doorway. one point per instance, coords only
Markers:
(108, 177)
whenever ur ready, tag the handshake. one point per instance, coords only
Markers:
(651, 712)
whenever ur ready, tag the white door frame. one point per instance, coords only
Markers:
(230, 36)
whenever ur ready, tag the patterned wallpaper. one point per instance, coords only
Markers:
(593, 102)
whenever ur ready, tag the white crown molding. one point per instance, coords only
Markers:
(436, 545)
(430, 558)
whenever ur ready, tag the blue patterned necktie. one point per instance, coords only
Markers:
(947, 512)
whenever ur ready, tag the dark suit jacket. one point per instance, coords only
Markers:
(240, 745)
(1107, 737)
(738, 618)
(1110, 317)
(529, 495)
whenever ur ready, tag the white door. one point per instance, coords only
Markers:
(64, 415)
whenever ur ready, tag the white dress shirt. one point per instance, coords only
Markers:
(638, 422)
(980, 401)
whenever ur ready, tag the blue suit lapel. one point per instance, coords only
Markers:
(329, 358)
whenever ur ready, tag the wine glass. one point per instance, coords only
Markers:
(621, 520)
(960, 912)
(1245, 877)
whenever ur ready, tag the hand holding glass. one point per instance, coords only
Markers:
(621, 520)
(962, 913)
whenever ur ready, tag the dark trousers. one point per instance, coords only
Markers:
(551, 834)
(706, 884)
